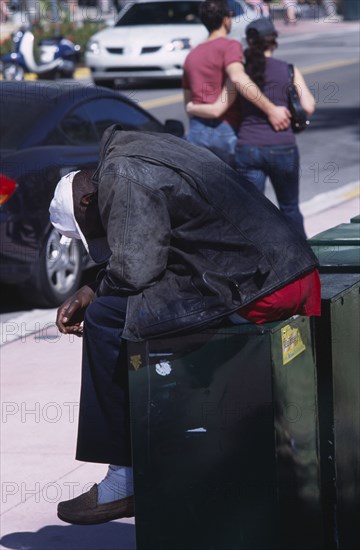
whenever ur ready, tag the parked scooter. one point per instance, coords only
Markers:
(58, 57)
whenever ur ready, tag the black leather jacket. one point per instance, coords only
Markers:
(191, 240)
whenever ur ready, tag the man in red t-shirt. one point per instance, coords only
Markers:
(206, 69)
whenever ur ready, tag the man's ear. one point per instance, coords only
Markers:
(87, 199)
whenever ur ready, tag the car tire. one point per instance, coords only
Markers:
(58, 272)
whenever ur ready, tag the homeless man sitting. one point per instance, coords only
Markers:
(187, 243)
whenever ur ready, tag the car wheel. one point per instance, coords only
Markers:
(58, 272)
(12, 71)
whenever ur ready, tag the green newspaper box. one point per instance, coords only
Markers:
(225, 439)
(337, 338)
(338, 248)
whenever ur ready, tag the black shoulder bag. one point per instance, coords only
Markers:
(299, 119)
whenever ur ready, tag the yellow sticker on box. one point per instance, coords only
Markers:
(135, 361)
(292, 344)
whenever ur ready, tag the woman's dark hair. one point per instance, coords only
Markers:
(255, 60)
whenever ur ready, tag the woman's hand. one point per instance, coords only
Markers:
(70, 315)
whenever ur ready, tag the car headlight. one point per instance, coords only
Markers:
(178, 44)
(93, 46)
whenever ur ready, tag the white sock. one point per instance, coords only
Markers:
(117, 484)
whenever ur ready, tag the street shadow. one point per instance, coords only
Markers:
(148, 85)
(13, 298)
(331, 118)
(110, 536)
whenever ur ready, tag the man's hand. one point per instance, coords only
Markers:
(70, 314)
(279, 118)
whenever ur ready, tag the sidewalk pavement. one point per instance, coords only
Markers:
(40, 380)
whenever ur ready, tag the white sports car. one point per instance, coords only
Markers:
(152, 38)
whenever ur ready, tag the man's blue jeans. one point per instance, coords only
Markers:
(219, 137)
(104, 419)
(281, 164)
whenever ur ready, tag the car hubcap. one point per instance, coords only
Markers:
(62, 263)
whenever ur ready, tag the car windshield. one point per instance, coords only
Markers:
(16, 118)
(161, 13)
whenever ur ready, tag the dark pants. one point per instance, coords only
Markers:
(104, 422)
(281, 164)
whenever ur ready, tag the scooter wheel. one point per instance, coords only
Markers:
(11, 71)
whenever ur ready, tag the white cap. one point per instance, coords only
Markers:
(63, 219)
(62, 210)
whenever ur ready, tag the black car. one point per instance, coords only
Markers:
(48, 129)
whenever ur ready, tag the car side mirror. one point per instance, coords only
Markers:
(174, 127)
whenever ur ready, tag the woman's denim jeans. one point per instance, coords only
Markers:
(281, 164)
(219, 137)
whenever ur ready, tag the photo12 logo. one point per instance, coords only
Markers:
(37, 412)
(14, 493)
